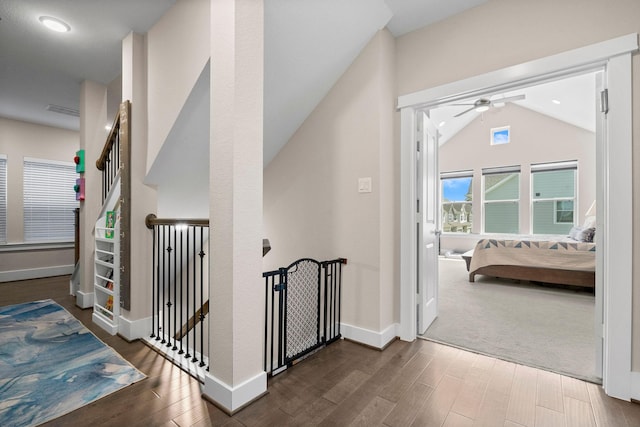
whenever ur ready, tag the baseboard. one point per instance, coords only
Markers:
(232, 399)
(368, 337)
(84, 299)
(132, 330)
(36, 273)
(635, 385)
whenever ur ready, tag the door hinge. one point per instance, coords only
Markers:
(604, 101)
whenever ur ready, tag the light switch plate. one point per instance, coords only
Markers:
(364, 185)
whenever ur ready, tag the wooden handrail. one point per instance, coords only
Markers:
(152, 220)
(102, 160)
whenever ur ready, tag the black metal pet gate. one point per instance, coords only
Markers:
(302, 310)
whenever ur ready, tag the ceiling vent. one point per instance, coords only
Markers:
(62, 110)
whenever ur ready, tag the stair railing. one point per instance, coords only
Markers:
(180, 292)
(114, 162)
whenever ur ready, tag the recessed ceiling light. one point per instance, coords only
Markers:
(442, 124)
(555, 101)
(107, 127)
(55, 24)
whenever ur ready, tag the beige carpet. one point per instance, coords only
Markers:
(542, 326)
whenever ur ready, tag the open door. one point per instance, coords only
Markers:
(427, 227)
(601, 114)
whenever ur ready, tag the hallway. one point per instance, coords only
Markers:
(419, 383)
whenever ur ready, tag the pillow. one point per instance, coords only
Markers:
(589, 222)
(582, 234)
(587, 235)
(575, 232)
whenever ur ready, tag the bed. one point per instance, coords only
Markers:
(558, 260)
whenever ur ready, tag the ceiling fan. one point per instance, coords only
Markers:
(483, 104)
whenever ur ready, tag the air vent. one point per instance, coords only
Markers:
(62, 110)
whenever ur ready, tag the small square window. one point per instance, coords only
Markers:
(501, 135)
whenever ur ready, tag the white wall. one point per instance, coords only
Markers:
(19, 140)
(312, 207)
(535, 138)
(471, 43)
(177, 49)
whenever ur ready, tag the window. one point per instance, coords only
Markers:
(49, 200)
(553, 197)
(501, 192)
(457, 198)
(3, 199)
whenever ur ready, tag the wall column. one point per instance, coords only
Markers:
(93, 117)
(134, 323)
(236, 374)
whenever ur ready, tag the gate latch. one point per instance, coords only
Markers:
(280, 287)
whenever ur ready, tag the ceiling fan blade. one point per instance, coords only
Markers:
(465, 111)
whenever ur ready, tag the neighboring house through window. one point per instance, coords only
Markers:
(456, 201)
(49, 200)
(501, 196)
(553, 197)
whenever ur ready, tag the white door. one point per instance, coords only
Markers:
(427, 218)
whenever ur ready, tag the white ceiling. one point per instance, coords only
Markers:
(308, 45)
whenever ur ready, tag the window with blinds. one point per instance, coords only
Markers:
(49, 200)
(3, 199)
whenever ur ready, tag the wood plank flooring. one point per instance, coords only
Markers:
(408, 384)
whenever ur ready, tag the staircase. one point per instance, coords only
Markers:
(110, 277)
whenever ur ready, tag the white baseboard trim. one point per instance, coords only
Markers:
(368, 337)
(635, 385)
(132, 330)
(84, 299)
(231, 399)
(35, 273)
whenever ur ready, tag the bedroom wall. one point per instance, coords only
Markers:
(18, 140)
(471, 43)
(535, 138)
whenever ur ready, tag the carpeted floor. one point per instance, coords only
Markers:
(50, 364)
(542, 326)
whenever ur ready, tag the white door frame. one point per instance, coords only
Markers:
(615, 198)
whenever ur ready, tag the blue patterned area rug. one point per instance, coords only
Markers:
(50, 364)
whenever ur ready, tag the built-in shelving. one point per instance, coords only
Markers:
(106, 303)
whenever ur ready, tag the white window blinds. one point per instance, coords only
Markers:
(3, 199)
(49, 200)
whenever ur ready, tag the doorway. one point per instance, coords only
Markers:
(545, 163)
(613, 200)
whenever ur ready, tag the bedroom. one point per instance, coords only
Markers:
(539, 182)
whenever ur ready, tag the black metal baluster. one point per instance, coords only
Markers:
(164, 266)
(326, 298)
(187, 354)
(339, 293)
(169, 304)
(181, 289)
(202, 296)
(195, 297)
(175, 287)
(153, 283)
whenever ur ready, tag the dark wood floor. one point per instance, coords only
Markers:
(346, 384)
